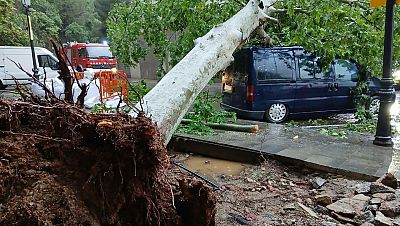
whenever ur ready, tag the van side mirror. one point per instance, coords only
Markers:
(56, 66)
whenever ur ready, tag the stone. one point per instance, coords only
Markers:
(381, 220)
(363, 188)
(396, 222)
(372, 208)
(321, 209)
(375, 201)
(328, 223)
(318, 182)
(366, 217)
(343, 219)
(390, 208)
(308, 210)
(349, 206)
(367, 224)
(323, 199)
(384, 196)
(290, 206)
(389, 180)
(381, 188)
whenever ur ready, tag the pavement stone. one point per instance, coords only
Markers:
(359, 157)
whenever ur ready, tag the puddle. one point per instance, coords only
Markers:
(211, 167)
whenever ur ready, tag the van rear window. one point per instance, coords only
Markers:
(274, 66)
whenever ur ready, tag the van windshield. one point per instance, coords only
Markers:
(99, 52)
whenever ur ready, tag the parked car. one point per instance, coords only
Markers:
(274, 83)
(46, 62)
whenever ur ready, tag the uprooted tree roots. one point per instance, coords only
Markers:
(62, 166)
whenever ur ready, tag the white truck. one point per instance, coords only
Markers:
(47, 64)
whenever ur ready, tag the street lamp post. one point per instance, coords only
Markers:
(27, 4)
(383, 135)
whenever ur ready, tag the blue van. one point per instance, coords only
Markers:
(274, 83)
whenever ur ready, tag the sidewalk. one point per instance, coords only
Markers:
(355, 156)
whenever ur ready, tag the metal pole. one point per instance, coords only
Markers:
(35, 68)
(383, 135)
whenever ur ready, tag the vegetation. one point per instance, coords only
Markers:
(167, 27)
(330, 28)
(204, 110)
(70, 20)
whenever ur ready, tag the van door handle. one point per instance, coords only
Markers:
(2, 66)
(335, 86)
(330, 87)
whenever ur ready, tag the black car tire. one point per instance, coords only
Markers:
(373, 106)
(2, 86)
(277, 113)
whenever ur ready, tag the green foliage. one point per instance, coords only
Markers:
(334, 132)
(77, 32)
(204, 110)
(168, 28)
(362, 127)
(102, 108)
(137, 91)
(335, 28)
(10, 31)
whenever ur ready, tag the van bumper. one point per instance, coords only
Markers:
(245, 114)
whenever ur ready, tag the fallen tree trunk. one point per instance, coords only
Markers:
(227, 126)
(171, 98)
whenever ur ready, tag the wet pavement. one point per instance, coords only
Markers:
(354, 155)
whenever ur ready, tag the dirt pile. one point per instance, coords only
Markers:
(62, 166)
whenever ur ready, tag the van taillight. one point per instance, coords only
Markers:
(250, 93)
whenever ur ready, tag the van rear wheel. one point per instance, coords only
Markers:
(277, 113)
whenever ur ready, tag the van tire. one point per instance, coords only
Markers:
(277, 113)
(2, 86)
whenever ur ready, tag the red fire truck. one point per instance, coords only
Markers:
(90, 56)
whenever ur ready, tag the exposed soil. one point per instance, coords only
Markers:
(269, 194)
(62, 166)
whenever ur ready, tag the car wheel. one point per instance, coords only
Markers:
(373, 107)
(2, 86)
(277, 113)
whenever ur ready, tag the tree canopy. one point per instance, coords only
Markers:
(330, 28)
(69, 20)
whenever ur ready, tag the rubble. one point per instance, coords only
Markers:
(323, 199)
(381, 220)
(318, 182)
(390, 208)
(389, 180)
(377, 187)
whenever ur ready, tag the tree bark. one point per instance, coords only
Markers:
(170, 99)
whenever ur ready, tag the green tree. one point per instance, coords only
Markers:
(10, 31)
(168, 27)
(335, 28)
(76, 32)
(81, 12)
(330, 28)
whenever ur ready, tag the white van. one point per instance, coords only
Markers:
(46, 62)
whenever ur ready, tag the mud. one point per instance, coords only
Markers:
(62, 166)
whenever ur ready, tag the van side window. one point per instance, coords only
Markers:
(309, 69)
(344, 70)
(46, 61)
(274, 66)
